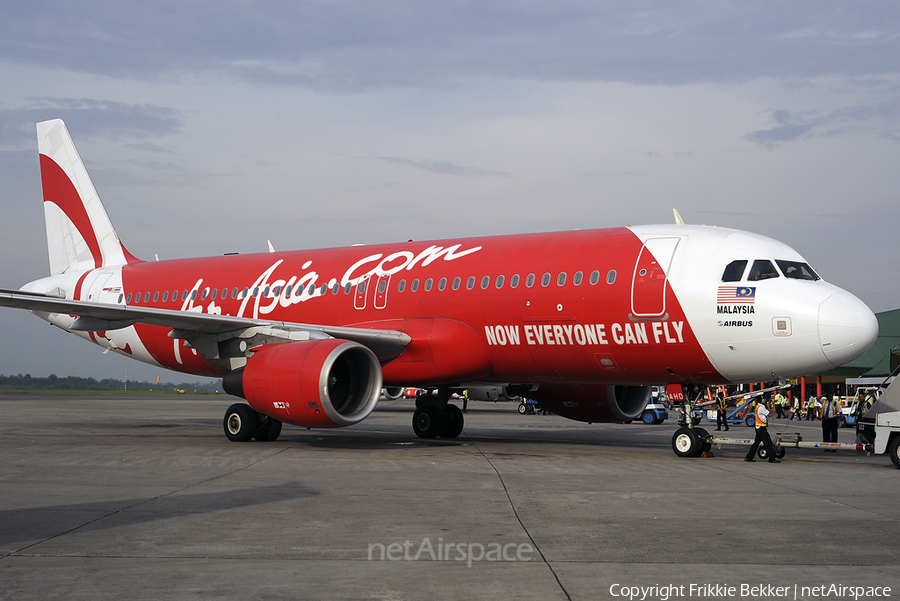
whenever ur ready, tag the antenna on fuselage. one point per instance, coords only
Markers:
(678, 219)
(271, 248)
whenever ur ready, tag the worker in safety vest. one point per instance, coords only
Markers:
(761, 421)
(779, 405)
(811, 408)
(796, 409)
(829, 414)
(721, 418)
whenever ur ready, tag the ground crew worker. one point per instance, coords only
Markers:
(829, 412)
(779, 405)
(720, 413)
(811, 409)
(796, 409)
(761, 421)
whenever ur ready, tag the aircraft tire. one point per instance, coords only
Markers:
(705, 447)
(268, 430)
(427, 422)
(453, 422)
(686, 443)
(523, 408)
(894, 451)
(240, 422)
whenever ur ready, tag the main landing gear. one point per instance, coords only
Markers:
(435, 416)
(242, 423)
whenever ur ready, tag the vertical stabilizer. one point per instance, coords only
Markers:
(80, 235)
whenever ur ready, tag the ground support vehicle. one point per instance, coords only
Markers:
(654, 414)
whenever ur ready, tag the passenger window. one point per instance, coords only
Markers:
(401, 286)
(595, 277)
(470, 283)
(499, 282)
(335, 288)
(734, 271)
(796, 270)
(442, 284)
(146, 297)
(611, 276)
(165, 296)
(545, 280)
(428, 283)
(347, 288)
(456, 283)
(485, 282)
(415, 285)
(577, 279)
(215, 292)
(128, 299)
(323, 289)
(561, 279)
(529, 281)
(156, 296)
(514, 281)
(762, 270)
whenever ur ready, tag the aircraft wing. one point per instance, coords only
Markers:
(195, 326)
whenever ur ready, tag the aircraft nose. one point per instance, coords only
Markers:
(847, 328)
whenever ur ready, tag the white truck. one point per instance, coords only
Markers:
(880, 426)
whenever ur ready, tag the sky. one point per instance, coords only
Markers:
(212, 127)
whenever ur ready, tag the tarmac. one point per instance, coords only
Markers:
(143, 497)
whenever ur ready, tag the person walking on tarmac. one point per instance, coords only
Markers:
(720, 413)
(829, 412)
(779, 406)
(810, 408)
(762, 433)
(795, 409)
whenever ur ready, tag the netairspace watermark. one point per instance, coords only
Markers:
(793, 592)
(441, 551)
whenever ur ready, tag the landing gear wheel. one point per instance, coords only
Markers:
(428, 422)
(779, 452)
(453, 422)
(268, 429)
(750, 420)
(240, 422)
(702, 434)
(894, 451)
(686, 443)
(648, 418)
(523, 408)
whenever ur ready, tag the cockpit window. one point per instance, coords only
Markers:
(734, 271)
(797, 270)
(762, 270)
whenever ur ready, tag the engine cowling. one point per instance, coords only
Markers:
(594, 403)
(314, 384)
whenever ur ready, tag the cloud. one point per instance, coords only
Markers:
(882, 117)
(444, 168)
(352, 45)
(88, 118)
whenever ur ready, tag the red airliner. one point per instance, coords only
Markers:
(582, 321)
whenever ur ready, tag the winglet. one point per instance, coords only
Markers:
(678, 219)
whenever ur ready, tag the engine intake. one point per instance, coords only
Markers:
(314, 384)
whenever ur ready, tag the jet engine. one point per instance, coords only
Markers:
(314, 384)
(593, 403)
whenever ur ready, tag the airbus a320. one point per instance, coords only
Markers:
(584, 322)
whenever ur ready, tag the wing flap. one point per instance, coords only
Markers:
(92, 316)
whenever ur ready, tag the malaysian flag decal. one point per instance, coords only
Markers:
(730, 295)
